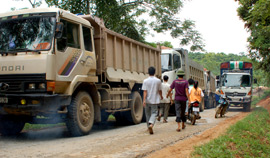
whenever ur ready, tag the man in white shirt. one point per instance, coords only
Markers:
(164, 105)
(151, 98)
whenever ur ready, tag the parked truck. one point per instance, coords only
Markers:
(58, 67)
(173, 60)
(236, 78)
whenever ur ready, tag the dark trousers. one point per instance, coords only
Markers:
(180, 108)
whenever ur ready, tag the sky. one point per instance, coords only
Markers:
(218, 23)
(216, 20)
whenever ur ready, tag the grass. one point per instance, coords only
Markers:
(249, 137)
(40, 126)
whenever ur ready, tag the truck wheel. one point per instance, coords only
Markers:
(9, 126)
(202, 106)
(80, 117)
(246, 107)
(135, 115)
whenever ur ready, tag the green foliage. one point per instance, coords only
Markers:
(35, 3)
(247, 138)
(135, 18)
(256, 15)
(211, 61)
(164, 43)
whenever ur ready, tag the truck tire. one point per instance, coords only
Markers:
(246, 107)
(80, 117)
(202, 106)
(135, 115)
(9, 126)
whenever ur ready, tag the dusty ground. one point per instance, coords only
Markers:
(265, 103)
(111, 141)
(184, 148)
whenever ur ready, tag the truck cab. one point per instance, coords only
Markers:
(171, 62)
(236, 82)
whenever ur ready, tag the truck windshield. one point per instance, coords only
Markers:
(236, 80)
(166, 62)
(26, 34)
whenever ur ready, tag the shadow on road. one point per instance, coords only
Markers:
(58, 132)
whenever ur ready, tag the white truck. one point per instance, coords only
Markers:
(173, 60)
(58, 67)
(236, 78)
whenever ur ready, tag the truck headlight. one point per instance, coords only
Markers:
(42, 86)
(32, 86)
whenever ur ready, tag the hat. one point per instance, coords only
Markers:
(180, 72)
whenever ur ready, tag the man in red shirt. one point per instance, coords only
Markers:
(181, 96)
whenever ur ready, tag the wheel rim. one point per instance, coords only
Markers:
(84, 113)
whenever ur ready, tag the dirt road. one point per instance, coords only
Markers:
(108, 141)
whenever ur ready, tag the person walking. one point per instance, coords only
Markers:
(190, 86)
(196, 94)
(164, 105)
(181, 96)
(152, 94)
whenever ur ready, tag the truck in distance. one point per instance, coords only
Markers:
(58, 67)
(173, 60)
(236, 78)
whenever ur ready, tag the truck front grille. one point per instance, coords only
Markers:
(235, 94)
(16, 83)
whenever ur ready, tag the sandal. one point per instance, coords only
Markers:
(164, 121)
(178, 129)
(183, 127)
(150, 129)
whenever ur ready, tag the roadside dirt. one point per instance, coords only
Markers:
(265, 103)
(184, 148)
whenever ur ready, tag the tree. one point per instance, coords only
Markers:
(35, 3)
(164, 43)
(256, 15)
(211, 61)
(134, 18)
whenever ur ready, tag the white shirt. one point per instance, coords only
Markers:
(152, 85)
(165, 90)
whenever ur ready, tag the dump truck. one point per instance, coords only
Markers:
(236, 78)
(59, 67)
(173, 60)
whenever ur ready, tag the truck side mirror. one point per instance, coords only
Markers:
(59, 30)
(255, 80)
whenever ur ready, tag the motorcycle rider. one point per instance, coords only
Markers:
(196, 94)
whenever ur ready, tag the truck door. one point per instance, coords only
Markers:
(68, 50)
(176, 64)
(75, 52)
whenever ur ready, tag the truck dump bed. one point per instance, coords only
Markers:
(192, 69)
(119, 57)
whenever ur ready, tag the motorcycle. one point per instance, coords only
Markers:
(193, 112)
(223, 104)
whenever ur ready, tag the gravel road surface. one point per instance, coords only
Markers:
(109, 141)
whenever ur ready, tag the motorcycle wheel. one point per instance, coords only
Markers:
(192, 119)
(218, 111)
(223, 111)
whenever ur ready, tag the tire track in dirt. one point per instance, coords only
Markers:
(184, 148)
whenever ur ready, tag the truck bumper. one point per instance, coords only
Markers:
(239, 100)
(32, 104)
